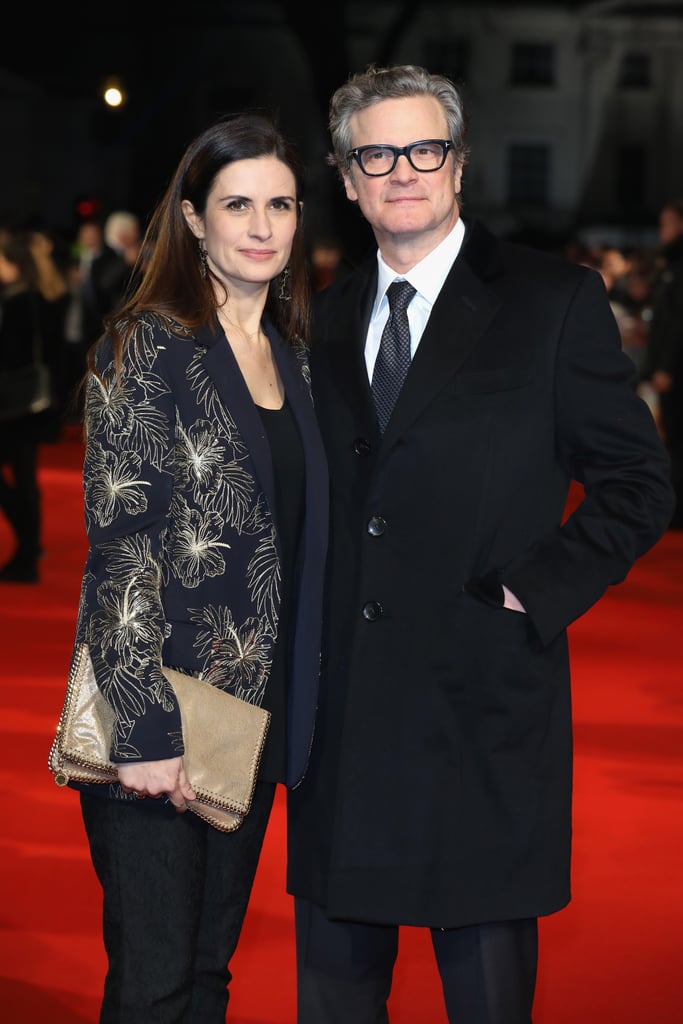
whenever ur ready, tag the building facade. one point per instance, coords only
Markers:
(576, 109)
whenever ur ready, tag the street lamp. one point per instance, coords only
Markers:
(113, 92)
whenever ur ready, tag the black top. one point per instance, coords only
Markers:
(288, 468)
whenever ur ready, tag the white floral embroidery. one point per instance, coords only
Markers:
(196, 548)
(113, 485)
(216, 412)
(264, 579)
(123, 620)
(124, 416)
(238, 656)
(208, 464)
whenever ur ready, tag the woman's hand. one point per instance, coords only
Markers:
(156, 779)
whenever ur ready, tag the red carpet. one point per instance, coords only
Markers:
(613, 957)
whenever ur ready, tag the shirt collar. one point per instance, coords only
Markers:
(427, 276)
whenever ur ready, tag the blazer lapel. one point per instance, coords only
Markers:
(222, 367)
(300, 401)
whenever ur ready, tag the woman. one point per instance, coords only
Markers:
(22, 337)
(54, 288)
(206, 509)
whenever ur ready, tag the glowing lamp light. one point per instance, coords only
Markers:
(113, 93)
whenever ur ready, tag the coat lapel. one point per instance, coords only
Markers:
(461, 314)
(346, 351)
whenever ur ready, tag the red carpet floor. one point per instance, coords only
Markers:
(613, 957)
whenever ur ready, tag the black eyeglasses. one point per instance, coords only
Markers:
(427, 155)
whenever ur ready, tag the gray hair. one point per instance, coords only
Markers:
(366, 88)
(120, 221)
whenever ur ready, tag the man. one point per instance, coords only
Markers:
(665, 343)
(123, 234)
(439, 787)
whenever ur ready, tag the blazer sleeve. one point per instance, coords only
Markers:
(128, 485)
(607, 440)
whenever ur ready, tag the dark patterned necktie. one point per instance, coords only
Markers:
(393, 358)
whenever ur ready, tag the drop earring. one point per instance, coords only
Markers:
(284, 294)
(203, 259)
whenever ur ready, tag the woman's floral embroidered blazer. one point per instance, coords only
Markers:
(183, 567)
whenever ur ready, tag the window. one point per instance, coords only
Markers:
(528, 173)
(448, 56)
(635, 71)
(631, 179)
(533, 64)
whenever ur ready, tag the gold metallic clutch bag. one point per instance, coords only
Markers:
(223, 736)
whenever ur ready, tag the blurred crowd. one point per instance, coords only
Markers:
(645, 287)
(55, 291)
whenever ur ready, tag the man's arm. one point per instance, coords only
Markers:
(608, 441)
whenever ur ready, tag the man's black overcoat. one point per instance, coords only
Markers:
(439, 788)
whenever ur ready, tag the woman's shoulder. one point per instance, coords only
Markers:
(162, 325)
(158, 335)
(145, 339)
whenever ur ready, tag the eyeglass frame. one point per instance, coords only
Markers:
(398, 151)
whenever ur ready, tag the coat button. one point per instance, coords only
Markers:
(361, 446)
(376, 526)
(372, 610)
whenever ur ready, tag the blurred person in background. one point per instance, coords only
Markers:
(123, 234)
(617, 273)
(54, 287)
(665, 343)
(637, 302)
(24, 334)
(97, 277)
(325, 262)
(617, 265)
